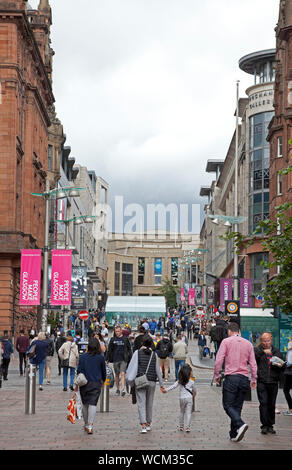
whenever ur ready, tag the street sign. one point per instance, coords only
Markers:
(83, 315)
(232, 308)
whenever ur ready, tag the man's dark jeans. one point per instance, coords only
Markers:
(22, 360)
(234, 390)
(267, 395)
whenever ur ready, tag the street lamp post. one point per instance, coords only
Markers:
(56, 193)
(80, 219)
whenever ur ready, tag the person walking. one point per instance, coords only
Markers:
(180, 351)
(119, 353)
(61, 339)
(8, 354)
(40, 353)
(187, 391)
(142, 359)
(142, 333)
(190, 325)
(288, 380)
(268, 381)
(22, 345)
(238, 354)
(69, 356)
(92, 365)
(164, 349)
(202, 342)
(49, 358)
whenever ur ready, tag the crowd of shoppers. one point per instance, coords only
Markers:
(157, 345)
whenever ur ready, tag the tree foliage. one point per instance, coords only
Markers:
(169, 291)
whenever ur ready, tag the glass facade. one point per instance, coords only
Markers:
(117, 278)
(127, 279)
(141, 270)
(174, 270)
(259, 172)
(259, 278)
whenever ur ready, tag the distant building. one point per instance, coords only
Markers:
(139, 263)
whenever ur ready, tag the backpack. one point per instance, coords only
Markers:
(50, 348)
(219, 333)
(163, 349)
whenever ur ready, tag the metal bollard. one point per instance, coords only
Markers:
(30, 389)
(104, 397)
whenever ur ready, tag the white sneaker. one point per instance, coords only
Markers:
(143, 430)
(277, 411)
(148, 427)
(240, 433)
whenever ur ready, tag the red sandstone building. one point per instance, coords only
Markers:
(280, 129)
(26, 99)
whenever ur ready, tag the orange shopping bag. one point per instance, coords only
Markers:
(71, 416)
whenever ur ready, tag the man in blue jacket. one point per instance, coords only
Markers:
(7, 353)
(152, 326)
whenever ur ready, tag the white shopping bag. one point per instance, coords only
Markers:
(78, 405)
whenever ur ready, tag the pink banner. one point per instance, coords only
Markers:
(192, 296)
(30, 277)
(182, 295)
(61, 277)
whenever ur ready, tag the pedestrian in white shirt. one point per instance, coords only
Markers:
(187, 391)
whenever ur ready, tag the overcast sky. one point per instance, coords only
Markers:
(146, 89)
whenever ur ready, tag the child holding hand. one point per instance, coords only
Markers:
(187, 391)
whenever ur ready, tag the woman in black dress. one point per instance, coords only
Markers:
(92, 365)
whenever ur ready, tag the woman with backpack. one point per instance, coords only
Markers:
(145, 362)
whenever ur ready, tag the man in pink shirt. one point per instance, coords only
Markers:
(238, 354)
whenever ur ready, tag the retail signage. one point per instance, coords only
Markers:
(225, 292)
(199, 295)
(30, 277)
(210, 295)
(182, 295)
(79, 287)
(245, 293)
(192, 296)
(158, 266)
(61, 277)
(232, 309)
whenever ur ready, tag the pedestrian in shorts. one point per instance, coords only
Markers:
(119, 353)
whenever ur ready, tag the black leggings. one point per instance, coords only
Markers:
(287, 388)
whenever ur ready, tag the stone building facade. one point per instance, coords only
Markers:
(25, 98)
(280, 129)
(138, 263)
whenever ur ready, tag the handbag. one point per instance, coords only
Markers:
(72, 410)
(142, 381)
(65, 362)
(80, 380)
(31, 351)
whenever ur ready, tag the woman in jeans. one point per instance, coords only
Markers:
(69, 350)
(145, 396)
(40, 355)
(92, 365)
(288, 380)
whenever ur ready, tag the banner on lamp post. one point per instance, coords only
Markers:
(192, 296)
(30, 277)
(61, 277)
(182, 295)
(245, 293)
(225, 292)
